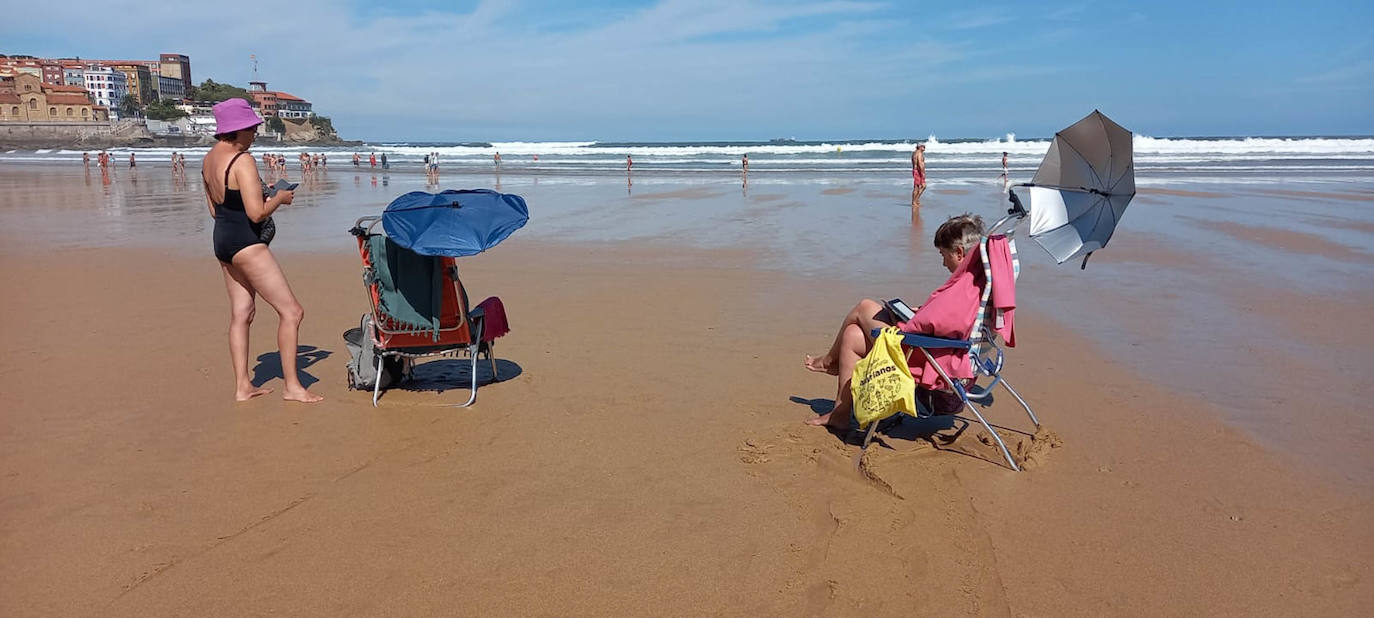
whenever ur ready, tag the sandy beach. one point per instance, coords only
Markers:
(1206, 445)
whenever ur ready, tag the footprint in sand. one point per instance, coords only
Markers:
(753, 451)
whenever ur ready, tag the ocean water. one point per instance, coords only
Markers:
(951, 162)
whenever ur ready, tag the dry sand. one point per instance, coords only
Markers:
(644, 455)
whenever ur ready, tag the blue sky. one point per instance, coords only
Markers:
(744, 69)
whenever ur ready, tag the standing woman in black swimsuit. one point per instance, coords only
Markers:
(234, 192)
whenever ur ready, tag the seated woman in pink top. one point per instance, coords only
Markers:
(955, 238)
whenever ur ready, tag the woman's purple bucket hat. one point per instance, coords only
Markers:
(234, 114)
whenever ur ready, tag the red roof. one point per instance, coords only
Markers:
(62, 88)
(287, 97)
(9, 97)
(68, 99)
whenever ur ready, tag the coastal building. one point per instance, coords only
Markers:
(278, 103)
(142, 78)
(176, 66)
(13, 65)
(74, 75)
(170, 88)
(107, 86)
(25, 98)
(52, 73)
(138, 79)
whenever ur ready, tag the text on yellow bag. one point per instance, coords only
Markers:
(882, 384)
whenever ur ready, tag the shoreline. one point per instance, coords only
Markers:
(154, 142)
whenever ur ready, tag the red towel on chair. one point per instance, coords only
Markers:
(494, 322)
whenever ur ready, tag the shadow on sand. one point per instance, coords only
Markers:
(935, 429)
(269, 365)
(449, 374)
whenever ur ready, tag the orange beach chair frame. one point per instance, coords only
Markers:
(460, 326)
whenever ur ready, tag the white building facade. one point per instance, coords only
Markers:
(107, 86)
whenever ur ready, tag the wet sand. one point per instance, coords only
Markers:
(646, 445)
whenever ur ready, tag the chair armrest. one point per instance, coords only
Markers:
(926, 341)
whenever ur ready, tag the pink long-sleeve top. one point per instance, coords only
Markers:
(951, 309)
(948, 312)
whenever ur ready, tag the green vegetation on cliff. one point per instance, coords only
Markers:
(214, 92)
(163, 110)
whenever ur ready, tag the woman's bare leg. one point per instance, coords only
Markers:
(241, 310)
(265, 275)
(854, 345)
(868, 314)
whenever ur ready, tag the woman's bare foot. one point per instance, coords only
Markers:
(244, 394)
(301, 394)
(829, 420)
(823, 419)
(818, 364)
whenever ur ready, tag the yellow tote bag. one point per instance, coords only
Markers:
(882, 384)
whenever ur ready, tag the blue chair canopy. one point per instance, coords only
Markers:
(453, 223)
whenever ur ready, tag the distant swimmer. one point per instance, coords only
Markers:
(918, 175)
(536, 156)
(497, 158)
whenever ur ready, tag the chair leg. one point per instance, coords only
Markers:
(491, 356)
(377, 387)
(1005, 453)
(472, 364)
(1022, 401)
(969, 404)
(868, 435)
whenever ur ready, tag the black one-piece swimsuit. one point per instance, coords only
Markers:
(234, 231)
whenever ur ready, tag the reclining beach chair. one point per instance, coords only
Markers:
(978, 354)
(420, 309)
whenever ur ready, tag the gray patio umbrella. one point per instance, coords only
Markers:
(1082, 188)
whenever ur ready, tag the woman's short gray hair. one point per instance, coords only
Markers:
(959, 232)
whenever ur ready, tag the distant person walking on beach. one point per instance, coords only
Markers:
(918, 175)
(372, 159)
(1006, 178)
(356, 159)
(629, 163)
(385, 164)
(86, 159)
(235, 195)
(744, 163)
(131, 160)
(496, 158)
